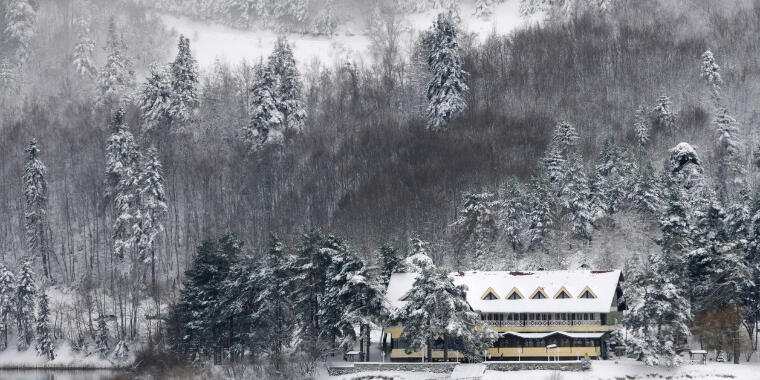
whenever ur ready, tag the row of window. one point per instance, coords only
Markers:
(515, 294)
(538, 316)
(511, 341)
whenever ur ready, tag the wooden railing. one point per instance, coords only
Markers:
(554, 322)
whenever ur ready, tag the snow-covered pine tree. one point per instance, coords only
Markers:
(7, 303)
(658, 319)
(554, 165)
(641, 126)
(35, 207)
(390, 262)
(83, 50)
(325, 21)
(198, 307)
(156, 99)
(7, 75)
(288, 91)
(663, 117)
(577, 198)
(614, 171)
(514, 219)
(646, 194)
(438, 310)
(184, 83)
(352, 297)
(418, 259)
(710, 72)
(122, 179)
(475, 233)
(26, 291)
(676, 236)
(273, 316)
(540, 202)
(44, 337)
(117, 77)
(446, 88)
(266, 119)
(309, 271)
(482, 8)
(728, 151)
(684, 168)
(153, 208)
(566, 138)
(21, 25)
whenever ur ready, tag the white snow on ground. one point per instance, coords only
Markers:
(600, 370)
(215, 41)
(65, 357)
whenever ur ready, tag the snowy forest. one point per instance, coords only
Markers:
(165, 216)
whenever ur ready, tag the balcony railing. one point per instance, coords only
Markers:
(554, 322)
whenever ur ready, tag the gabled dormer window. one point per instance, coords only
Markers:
(562, 294)
(490, 294)
(514, 294)
(539, 294)
(587, 293)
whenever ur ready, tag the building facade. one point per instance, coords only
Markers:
(538, 315)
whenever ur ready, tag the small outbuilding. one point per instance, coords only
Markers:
(698, 356)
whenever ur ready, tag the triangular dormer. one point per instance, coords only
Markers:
(587, 293)
(490, 294)
(562, 294)
(539, 294)
(514, 294)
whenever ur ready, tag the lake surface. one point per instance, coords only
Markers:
(57, 374)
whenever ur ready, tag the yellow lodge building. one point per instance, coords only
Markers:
(565, 314)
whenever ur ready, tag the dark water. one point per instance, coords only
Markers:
(54, 374)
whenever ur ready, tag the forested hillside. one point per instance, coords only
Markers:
(561, 155)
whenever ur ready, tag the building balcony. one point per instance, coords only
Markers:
(540, 323)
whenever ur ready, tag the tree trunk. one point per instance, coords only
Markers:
(445, 348)
(369, 341)
(429, 350)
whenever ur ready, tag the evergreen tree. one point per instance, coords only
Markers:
(273, 316)
(436, 309)
(156, 99)
(577, 199)
(44, 336)
(446, 89)
(266, 121)
(117, 76)
(646, 194)
(390, 262)
(202, 324)
(21, 25)
(288, 90)
(152, 208)
(26, 291)
(540, 207)
(710, 72)
(35, 210)
(309, 270)
(676, 237)
(7, 304)
(514, 219)
(352, 296)
(184, 83)
(554, 165)
(658, 319)
(122, 180)
(662, 116)
(475, 232)
(641, 126)
(7, 75)
(566, 138)
(482, 8)
(418, 259)
(730, 169)
(684, 168)
(83, 50)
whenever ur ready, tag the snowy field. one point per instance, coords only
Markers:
(351, 42)
(600, 370)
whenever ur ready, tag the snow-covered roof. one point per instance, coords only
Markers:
(602, 284)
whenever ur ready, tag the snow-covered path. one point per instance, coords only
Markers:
(602, 370)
